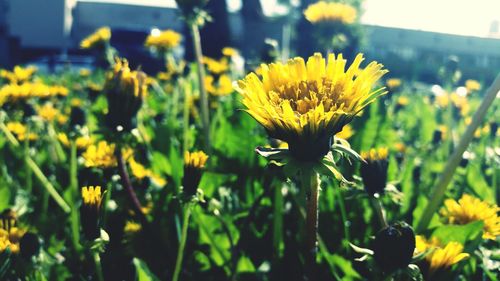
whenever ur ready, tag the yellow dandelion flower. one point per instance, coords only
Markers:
(20, 131)
(472, 85)
(230, 52)
(195, 159)
(47, 112)
(469, 209)
(97, 39)
(400, 147)
(81, 142)
(19, 74)
(165, 40)
(85, 72)
(138, 170)
(439, 257)
(323, 11)
(91, 195)
(393, 83)
(403, 101)
(216, 66)
(101, 155)
(451, 254)
(375, 154)
(346, 132)
(58, 90)
(305, 104)
(223, 87)
(442, 100)
(132, 227)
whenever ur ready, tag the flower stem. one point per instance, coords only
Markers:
(73, 177)
(205, 118)
(182, 243)
(454, 160)
(98, 266)
(122, 170)
(185, 116)
(310, 183)
(379, 211)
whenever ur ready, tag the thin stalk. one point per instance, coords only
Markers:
(453, 162)
(310, 183)
(98, 266)
(122, 171)
(29, 179)
(36, 170)
(379, 211)
(205, 118)
(73, 177)
(48, 186)
(182, 244)
(277, 221)
(185, 116)
(343, 214)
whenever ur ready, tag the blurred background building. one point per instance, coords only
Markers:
(43, 30)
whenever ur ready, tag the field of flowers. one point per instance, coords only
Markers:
(318, 168)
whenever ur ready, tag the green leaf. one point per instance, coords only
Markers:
(4, 197)
(245, 265)
(458, 233)
(143, 272)
(479, 185)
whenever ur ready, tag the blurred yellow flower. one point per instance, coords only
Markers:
(101, 155)
(403, 101)
(20, 131)
(230, 52)
(461, 103)
(81, 142)
(305, 104)
(216, 67)
(469, 209)
(58, 90)
(375, 154)
(47, 112)
(165, 41)
(346, 132)
(85, 72)
(97, 39)
(393, 83)
(140, 172)
(472, 85)
(132, 227)
(443, 100)
(19, 74)
(400, 147)
(223, 87)
(323, 11)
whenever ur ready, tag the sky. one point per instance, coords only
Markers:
(463, 17)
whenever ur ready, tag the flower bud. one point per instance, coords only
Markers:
(194, 163)
(77, 117)
(394, 246)
(125, 91)
(29, 245)
(90, 211)
(374, 170)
